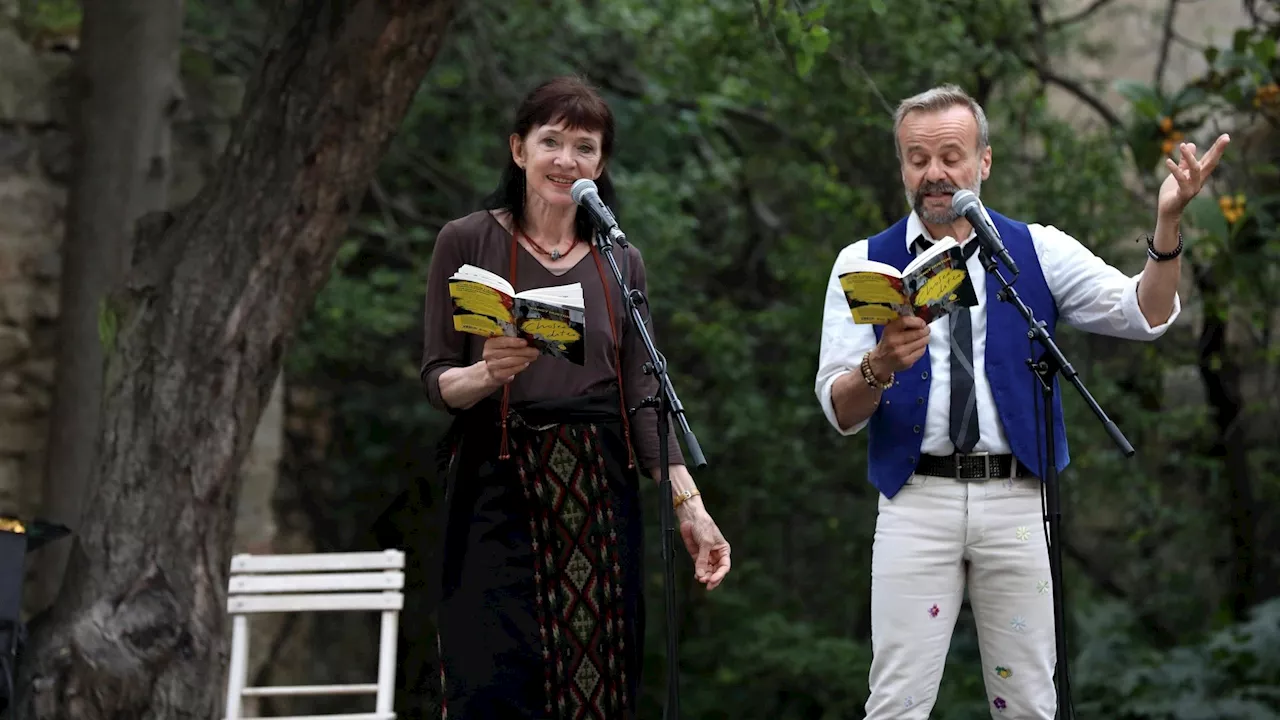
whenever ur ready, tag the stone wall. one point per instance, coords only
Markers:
(34, 163)
(35, 169)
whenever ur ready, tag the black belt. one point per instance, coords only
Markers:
(975, 466)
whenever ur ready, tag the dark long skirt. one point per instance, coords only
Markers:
(540, 609)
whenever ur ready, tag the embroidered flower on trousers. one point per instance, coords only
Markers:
(1042, 587)
(1022, 534)
(1019, 623)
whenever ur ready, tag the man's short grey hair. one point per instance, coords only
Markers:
(934, 100)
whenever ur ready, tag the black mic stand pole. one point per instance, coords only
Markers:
(668, 405)
(1050, 362)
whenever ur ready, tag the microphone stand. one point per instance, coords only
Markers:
(668, 405)
(1050, 362)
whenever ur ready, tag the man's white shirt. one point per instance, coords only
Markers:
(1090, 294)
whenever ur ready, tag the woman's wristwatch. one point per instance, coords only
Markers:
(680, 497)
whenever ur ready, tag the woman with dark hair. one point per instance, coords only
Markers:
(540, 608)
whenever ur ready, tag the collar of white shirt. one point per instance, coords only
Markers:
(916, 230)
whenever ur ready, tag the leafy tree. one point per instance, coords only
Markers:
(754, 144)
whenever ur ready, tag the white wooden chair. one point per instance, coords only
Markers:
(316, 583)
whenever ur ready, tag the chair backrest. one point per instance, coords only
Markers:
(320, 582)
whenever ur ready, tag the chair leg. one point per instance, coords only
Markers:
(238, 673)
(387, 661)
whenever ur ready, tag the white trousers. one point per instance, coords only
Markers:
(933, 537)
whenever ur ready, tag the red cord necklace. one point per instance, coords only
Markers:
(554, 254)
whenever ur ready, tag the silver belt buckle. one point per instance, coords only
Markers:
(986, 461)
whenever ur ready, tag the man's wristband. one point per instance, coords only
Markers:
(870, 377)
(1159, 256)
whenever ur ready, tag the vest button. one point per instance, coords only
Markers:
(919, 401)
(916, 429)
(924, 375)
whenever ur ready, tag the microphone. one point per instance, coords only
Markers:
(967, 204)
(585, 194)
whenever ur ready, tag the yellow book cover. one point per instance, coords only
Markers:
(930, 287)
(551, 319)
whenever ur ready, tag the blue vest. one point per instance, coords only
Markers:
(897, 426)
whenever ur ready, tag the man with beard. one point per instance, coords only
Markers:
(951, 407)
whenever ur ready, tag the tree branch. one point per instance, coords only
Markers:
(1251, 7)
(1082, 15)
(1042, 33)
(846, 61)
(744, 115)
(1188, 43)
(1078, 90)
(1166, 40)
(764, 123)
(766, 24)
(383, 201)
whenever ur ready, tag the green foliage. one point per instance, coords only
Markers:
(1205, 494)
(1230, 675)
(222, 37)
(754, 143)
(52, 17)
(365, 304)
(108, 326)
(1234, 240)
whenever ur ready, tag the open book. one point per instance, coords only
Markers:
(930, 287)
(552, 319)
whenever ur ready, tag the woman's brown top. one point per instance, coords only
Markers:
(480, 240)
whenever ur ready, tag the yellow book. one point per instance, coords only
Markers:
(933, 285)
(552, 319)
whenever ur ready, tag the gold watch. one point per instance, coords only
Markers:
(682, 496)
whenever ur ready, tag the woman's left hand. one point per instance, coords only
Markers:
(706, 545)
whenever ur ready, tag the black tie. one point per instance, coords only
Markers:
(964, 397)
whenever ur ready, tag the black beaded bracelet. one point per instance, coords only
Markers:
(1159, 256)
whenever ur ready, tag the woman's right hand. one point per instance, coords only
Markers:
(505, 357)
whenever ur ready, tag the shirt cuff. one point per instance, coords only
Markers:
(1137, 322)
(829, 408)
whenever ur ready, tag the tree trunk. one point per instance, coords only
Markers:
(1221, 377)
(127, 73)
(211, 300)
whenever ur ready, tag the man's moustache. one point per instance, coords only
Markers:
(926, 189)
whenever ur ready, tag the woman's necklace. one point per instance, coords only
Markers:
(555, 253)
